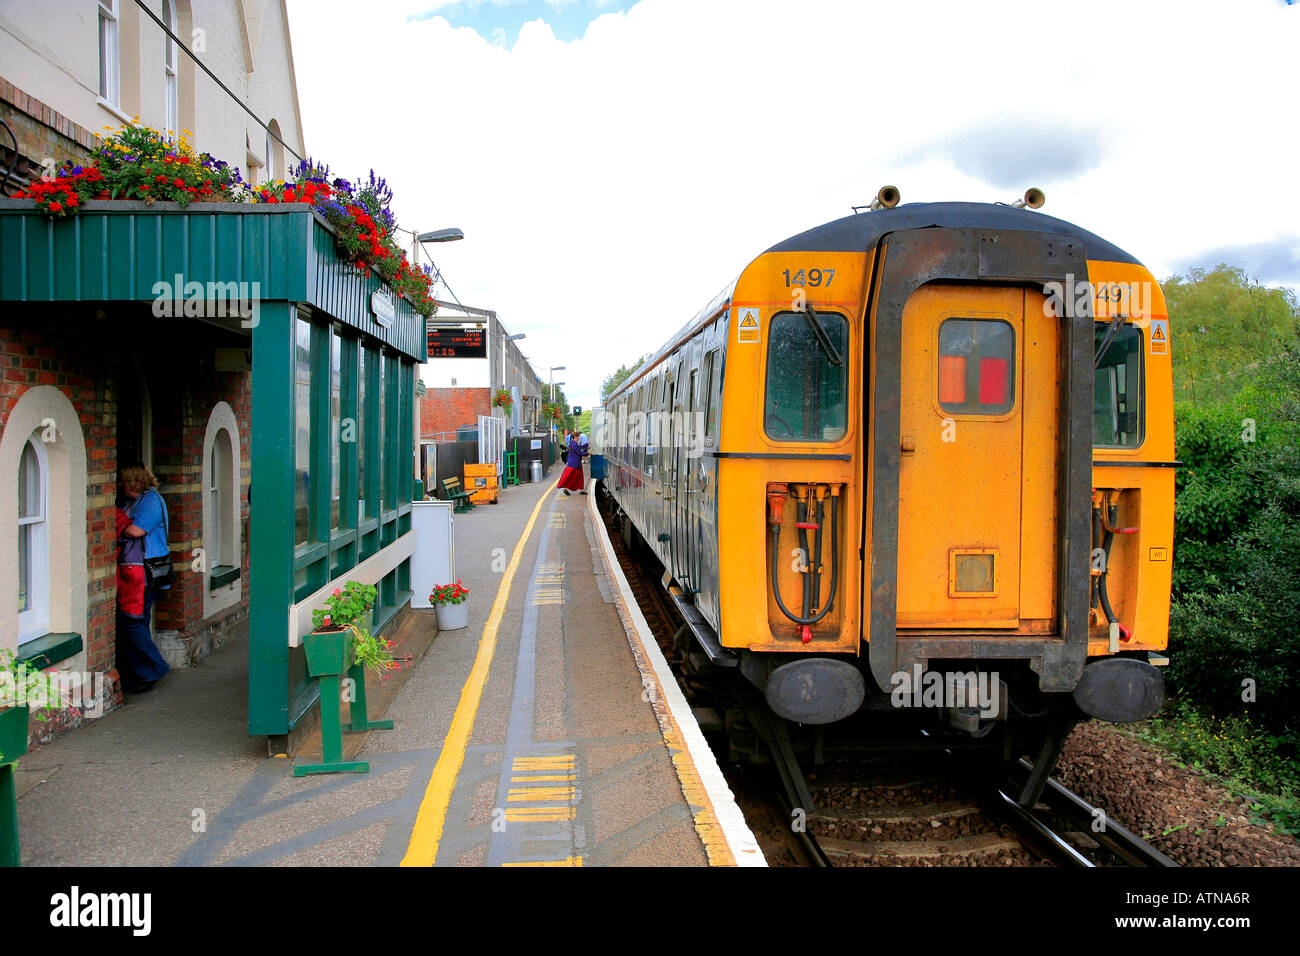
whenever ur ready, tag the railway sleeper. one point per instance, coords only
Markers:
(976, 845)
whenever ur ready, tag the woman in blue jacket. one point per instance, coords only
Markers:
(138, 661)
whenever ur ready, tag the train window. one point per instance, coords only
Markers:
(1117, 419)
(807, 377)
(977, 366)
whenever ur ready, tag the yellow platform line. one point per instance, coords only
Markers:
(533, 794)
(542, 763)
(430, 819)
(567, 861)
(557, 777)
(543, 815)
(533, 811)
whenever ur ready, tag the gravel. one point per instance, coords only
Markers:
(1190, 819)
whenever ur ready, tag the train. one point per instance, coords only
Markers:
(915, 461)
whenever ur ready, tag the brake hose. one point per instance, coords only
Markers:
(835, 567)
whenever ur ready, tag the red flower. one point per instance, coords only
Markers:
(56, 207)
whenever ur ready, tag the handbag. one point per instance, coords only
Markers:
(158, 572)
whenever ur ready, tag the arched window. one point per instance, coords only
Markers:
(171, 92)
(33, 542)
(275, 165)
(222, 537)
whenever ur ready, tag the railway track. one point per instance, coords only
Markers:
(914, 811)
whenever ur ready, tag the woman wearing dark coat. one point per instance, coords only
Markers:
(571, 477)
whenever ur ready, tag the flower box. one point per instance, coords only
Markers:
(328, 651)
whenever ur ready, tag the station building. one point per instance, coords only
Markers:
(265, 359)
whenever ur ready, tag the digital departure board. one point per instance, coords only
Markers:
(451, 342)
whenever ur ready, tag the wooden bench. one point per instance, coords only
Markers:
(456, 495)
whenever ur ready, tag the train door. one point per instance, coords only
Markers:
(668, 467)
(977, 474)
(688, 529)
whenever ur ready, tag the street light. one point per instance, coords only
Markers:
(441, 235)
(515, 338)
(550, 377)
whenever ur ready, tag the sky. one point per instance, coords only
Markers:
(614, 164)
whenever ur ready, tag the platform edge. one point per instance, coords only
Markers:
(720, 825)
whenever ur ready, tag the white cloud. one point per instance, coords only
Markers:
(608, 187)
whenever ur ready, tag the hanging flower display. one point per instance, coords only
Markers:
(140, 163)
(503, 399)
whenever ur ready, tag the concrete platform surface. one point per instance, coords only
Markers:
(527, 738)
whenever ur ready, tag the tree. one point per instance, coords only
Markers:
(566, 419)
(1224, 325)
(1237, 548)
(617, 378)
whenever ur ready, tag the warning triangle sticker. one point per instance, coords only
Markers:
(1159, 334)
(749, 322)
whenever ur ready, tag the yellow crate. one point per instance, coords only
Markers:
(481, 483)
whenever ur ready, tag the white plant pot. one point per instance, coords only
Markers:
(452, 617)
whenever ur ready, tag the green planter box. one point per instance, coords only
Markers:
(328, 652)
(13, 734)
(13, 744)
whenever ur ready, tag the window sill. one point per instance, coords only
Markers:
(222, 575)
(116, 111)
(49, 650)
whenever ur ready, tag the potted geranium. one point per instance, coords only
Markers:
(342, 635)
(452, 602)
(503, 399)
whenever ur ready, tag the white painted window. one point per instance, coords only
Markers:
(170, 89)
(271, 171)
(214, 495)
(33, 542)
(110, 62)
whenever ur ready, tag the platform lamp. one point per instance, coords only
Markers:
(438, 235)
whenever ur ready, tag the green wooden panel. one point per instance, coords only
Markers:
(271, 547)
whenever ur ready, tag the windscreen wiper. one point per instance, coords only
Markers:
(1105, 339)
(823, 339)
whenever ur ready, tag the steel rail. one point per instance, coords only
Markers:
(1114, 836)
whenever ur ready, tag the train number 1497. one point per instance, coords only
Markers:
(809, 277)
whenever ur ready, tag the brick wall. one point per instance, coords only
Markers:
(446, 409)
(29, 357)
(42, 134)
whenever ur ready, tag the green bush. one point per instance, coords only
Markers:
(1236, 606)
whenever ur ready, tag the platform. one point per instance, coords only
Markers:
(546, 733)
